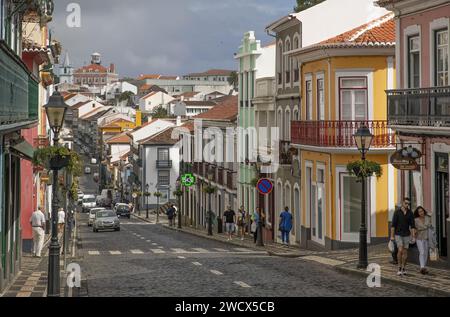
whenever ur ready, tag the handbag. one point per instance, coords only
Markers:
(391, 246)
(434, 254)
(253, 227)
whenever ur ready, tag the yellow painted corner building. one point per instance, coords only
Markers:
(343, 83)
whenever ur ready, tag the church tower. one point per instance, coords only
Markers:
(66, 71)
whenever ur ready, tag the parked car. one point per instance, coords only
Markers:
(80, 197)
(88, 203)
(106, 220)
(106, 198)
(92, 214)
(123, 210)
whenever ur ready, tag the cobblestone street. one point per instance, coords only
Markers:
(147, 260)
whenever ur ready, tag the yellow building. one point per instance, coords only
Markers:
(343, 83)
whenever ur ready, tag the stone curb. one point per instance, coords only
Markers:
(429, 291)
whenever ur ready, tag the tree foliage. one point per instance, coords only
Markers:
(306, 4)
(234, 79)
(159, 112)
(127, 95)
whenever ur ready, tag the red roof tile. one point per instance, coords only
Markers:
(225, 110)
(92, 69)
(162, 138)
(379, 32)
(212, 72)
(122, 138)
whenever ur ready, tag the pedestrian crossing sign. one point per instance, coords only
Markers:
(188, 180)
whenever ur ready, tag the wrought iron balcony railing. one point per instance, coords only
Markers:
(340, 133)
(421, 107)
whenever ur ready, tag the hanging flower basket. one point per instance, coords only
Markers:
(364, 169)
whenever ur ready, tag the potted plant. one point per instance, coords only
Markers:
(363, 169)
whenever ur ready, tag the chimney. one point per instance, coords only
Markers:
(179, 121)
(112, 68)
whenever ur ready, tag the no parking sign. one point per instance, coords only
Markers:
(264, 186)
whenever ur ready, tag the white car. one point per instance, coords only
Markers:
(88, 203)
(92, 214)
(87, 170)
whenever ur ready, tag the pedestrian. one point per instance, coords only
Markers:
(242, 221)
(403, 228)
(171, 215)
(37, 221)
(258, 220)
(423, 226)
(230, 219)
(286, 220)
(61, 219)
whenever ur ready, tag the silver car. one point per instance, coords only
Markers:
(106, 220)
(92, 214)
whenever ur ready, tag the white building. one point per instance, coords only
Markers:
(114, 90)
(177, 87)
(154, 100)
(210, 75)
(66, 71)
(161, 166)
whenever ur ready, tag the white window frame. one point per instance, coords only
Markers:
(280, 122)
(287, 124)
(287, 62)
(322, 186)
(320, 76)
(308, 202)
(411, 30)
(436, 25)
(308, 78)
(280, 60)
(368, 73)
(342, 172)
(296, 63)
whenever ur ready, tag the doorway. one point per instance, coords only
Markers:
(442, 201)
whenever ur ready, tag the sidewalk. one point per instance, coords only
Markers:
(32, 279)
(437, 283)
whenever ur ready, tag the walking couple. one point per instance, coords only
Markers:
(410, 228)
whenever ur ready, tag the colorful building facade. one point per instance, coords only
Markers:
(343, 80)
(419, 111)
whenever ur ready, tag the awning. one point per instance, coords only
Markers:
(24, 149)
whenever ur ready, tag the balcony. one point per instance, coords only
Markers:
(285, 155)
(340, 133)
(164, 164)
(19, 98)
(421, 107)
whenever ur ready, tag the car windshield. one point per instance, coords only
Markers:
(105, 214)
(93, 211)
(122, 207)
(89, 200)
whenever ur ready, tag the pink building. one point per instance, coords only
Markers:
(419, 111)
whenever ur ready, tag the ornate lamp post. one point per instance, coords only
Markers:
(157, 195)
(363, 139)
(209, 189)
(178, 193)
(259, 233)
(56, 110)
(147, 194)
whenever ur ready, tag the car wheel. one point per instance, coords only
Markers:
(117, 229)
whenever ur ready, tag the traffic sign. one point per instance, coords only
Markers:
(188, 180)
(264, 186)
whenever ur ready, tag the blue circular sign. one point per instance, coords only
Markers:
(264, 186)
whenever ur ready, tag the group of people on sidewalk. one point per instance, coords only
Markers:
(410, 228)
(39, 222)
(254, 222)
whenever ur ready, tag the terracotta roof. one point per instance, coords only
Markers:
(144, 125)
(114, 123)
(125, 155)
(212, 72)
(92, 69)
(189, 94)
(145, 87)
(79, 105)
(95, 114)
(225, 110)
(149, 76)
(189, 125)
(163, 138)
(168, 77)
(122, 138)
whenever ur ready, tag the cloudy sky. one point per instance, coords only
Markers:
(172, 37)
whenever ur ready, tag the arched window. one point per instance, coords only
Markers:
(280, 124)
(287, 125)
(288, 62)
(280, 64)
(296, 65)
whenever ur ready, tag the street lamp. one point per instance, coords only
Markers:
(179, 192)
(259, 233)
(363, 139)
(147, 187)
(209, 189)
(55, 110)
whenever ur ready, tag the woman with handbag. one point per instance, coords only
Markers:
(423, 226)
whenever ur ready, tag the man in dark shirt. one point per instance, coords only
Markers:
(230, 220)
(171, 215)
(403, 227)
